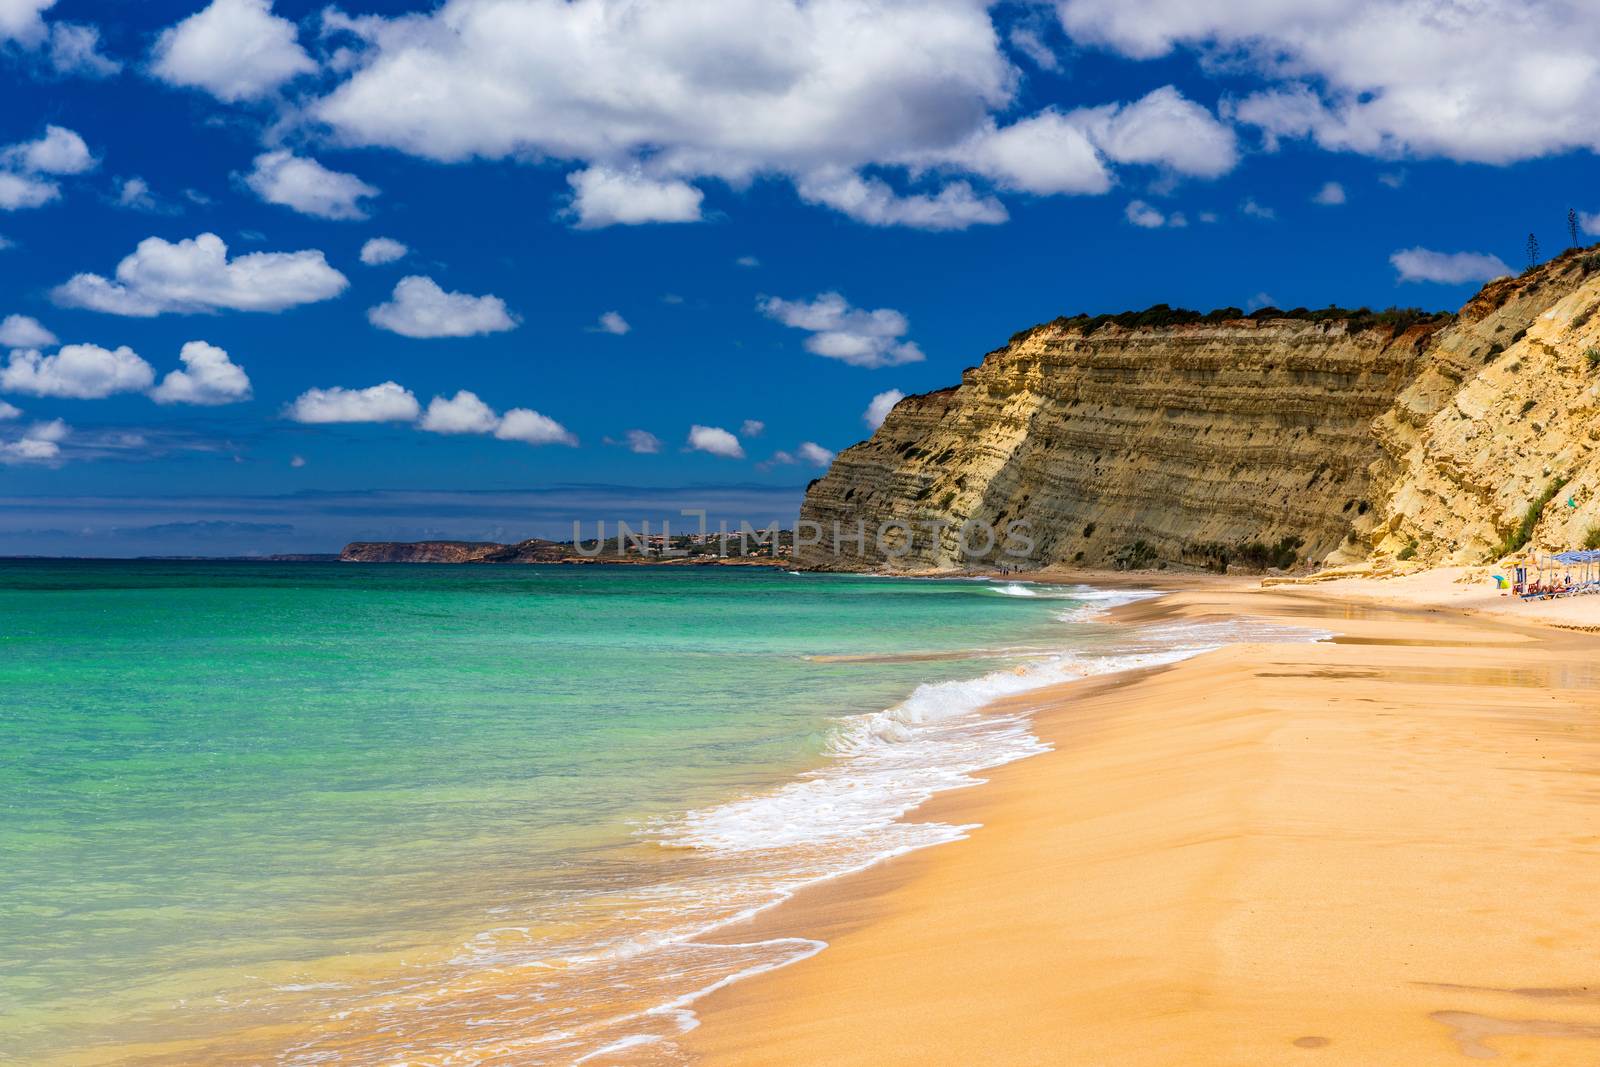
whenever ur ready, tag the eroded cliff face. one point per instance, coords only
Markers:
(1507, 406)
(1190, 443)
(1243, 442)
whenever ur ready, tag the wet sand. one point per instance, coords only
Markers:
(1378, 850)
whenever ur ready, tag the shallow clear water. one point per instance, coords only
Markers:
(322, 812)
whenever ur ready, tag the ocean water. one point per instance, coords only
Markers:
(323, 813)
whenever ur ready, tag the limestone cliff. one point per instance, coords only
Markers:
(1507, 407)
(1224, 440)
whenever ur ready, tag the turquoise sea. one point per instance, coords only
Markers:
(332, 813)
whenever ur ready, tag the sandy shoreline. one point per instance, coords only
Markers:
(1383, 849)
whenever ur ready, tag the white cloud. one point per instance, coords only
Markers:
(233, 49)
(602, 196)
(752, 428)
(1257, 211)
(747, 261)
(1590, 224)
(419, 308)
(134, 193)
(6, 242)
(851, 335)
(1162, 129)
(463, 413)
(814, 454)
(808, 452)
(872, 201)
(75, 49)
(643, 442)
(1026, 40)
(82, 372)
(1259, 301)
(649, 99)
(1487, 80)
(1044, 153)
(21, 21)
(196, 275)
(1447, 268)
(530, 427)
(1393, 179)
(9, 411)
(22, 331)
(880, 407)
(388, 402)
(208, 378)
(1142, 214)
(297, 461)
(39, 443)
(18, 191)
(716, 441)
(281, 177)
(59, 151)
(1331, 195)
(612, 322)
(382, 250)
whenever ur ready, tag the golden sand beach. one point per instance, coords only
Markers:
(1382, 849)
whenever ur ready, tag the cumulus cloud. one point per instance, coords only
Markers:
(1257, 211)
(81, 372)
(233, 49)
(1026, 39)
(208, 378)
(382, 250)
(75, 49)
(642, 442)
(1045, 153)
(809, 452)
(196, 275)
(880, 407)
(1447, 268)
(1489, 81)
(22, 21)
(18, 191)
(851, 335)
(602, 197)
(135, 194)
(530, 427)
(716, 441)
(465, 413)
(1143, 215)
(9, 411)
(855, 103)
(26, 169)
(1331, 195)
(39, 443)
(1162, 129)
(1589, 223)
(462, 413)
(419, 308)
(613, 323)
(872, 201)
(306, 186)
(388, 402)
(752, 428)
(814, 454)
(22, 331)
(59, 151)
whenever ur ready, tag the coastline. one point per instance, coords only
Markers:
(1376, 849)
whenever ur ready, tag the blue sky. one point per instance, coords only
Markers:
(953, 171)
